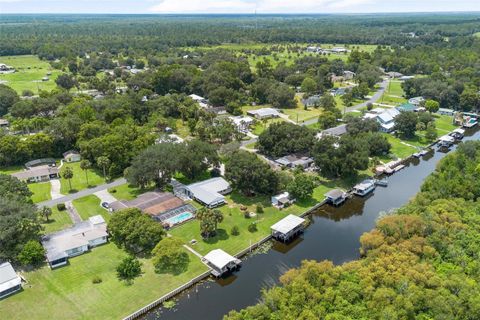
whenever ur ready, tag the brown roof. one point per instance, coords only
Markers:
(164, 206)
(152, 203)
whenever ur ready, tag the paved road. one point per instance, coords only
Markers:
(82, 193)
(372, 100)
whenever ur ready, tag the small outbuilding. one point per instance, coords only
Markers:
(282, 200)
(446, 141)
(336, 197)
(287, 228)
(221, 262)
(10, 282)
(72, 156)
(293, 161)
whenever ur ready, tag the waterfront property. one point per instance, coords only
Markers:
(264, 113)
(221, 262)
(446, 141)
(386, 119)
(336, 197)
(364, 188)
(38, 174)
(74, 241)
(287, 228)
(294, 161)
(282, 200)
(72, 156)
(164, 207)
(10, 282)
(208, 192)
(458, 133)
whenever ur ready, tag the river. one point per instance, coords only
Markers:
(333, 235)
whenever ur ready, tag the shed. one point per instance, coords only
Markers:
(282, 200)
(220, 262)
(288, 227)
(264, 113)
(72, 156)
(10, 282)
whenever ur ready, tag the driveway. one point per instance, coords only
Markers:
(82, 193)
(105, 196)
(55, 189)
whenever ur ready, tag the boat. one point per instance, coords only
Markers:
(382, 183)
(364, 188)
(400, 167)
(470, 122)
(416, 155)
(424, 152)
(457, 134)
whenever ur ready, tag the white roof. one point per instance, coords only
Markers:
(364, 185)
(458, 130)
(241, 120)
(95, 220)
(208, 191)
(196, 97)
(264, 112)
(8, 277)
(287, 224)
(219, 258)
(447, 138)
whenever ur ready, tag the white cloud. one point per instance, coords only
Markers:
(262, 6)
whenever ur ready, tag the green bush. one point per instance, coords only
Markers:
(259, 208)
(252, 227)
(61, 207)
(96, 280)
(235, 231)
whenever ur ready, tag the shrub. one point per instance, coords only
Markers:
(113, 191)
(259, 208)
(252, 227)
(32, 253)
(61, 207)
(129, 268)
(243, 208)
(96, 280)
(235, 231)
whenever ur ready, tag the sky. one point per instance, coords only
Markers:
(234, 6)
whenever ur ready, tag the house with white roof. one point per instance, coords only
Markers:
(208, 192)
(38, 174)
(282, 200)
(72, 156)
(288, 227)
(220, 262)
(386, 119)
(242, 123)
(10, 282)
(74, 241)
(202, 102)
(264, 113)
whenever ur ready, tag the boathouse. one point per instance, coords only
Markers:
(336, 197)
(287, 228)
(446, 141)
(364, 187)
(220, 262)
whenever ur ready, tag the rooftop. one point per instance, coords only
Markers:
(208, 191)
(287, 224)
(335, 131)
(219, 258)
(39, 162)
(152, 203)
(335, 194)
(264, 112)
(8, 277)
(36, 172)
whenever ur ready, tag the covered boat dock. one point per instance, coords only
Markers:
(287, 228)
(220, 262)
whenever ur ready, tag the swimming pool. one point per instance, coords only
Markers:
(179, 218)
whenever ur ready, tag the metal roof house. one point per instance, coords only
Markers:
(74, 241)
(242, 123)
(387, 119)
(10, 282)
(37, 174)
(282, 200)
(264, 113)
(40, 162)
(202, 102)
(312, 101)
(293, 161)
(335, 131)
(208, 192)
(416, 101)
(288, 227)
(220, 262)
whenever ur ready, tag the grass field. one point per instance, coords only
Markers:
(89, 206)
(41, 191)
(444, 124)
(10, 169)
(59, 220)
(79, 180)
(29, 73)
(393, 94)
(68, 292)
(259, 127)
(400, 149)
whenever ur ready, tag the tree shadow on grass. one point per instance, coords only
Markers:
(221, 235)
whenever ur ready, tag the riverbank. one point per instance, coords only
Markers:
(333, 234)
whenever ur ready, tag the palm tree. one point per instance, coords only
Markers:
(103, 162)
(209, 220)
(85, 165)
(45, 212)
(68, 174)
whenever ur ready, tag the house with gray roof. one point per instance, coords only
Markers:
(37, 174)
(208, 192)
(10, 282)
(293, 161)
(74, 241)
(264, 113)
(335, 131)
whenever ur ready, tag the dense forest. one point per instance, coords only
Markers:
(421, 262)
(72, 35)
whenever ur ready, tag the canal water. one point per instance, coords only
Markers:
(333, 235)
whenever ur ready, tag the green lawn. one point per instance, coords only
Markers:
(393, 94)
(68, 292)
(444, 124)
(79, 181)
(260, 126)
(299, 114)
(59, 220)
(41, 191)
(10, 169)
(89, 206)
(29, 73)
(233, 216)
(399, 149)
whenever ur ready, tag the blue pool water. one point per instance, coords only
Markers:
(179, 218)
